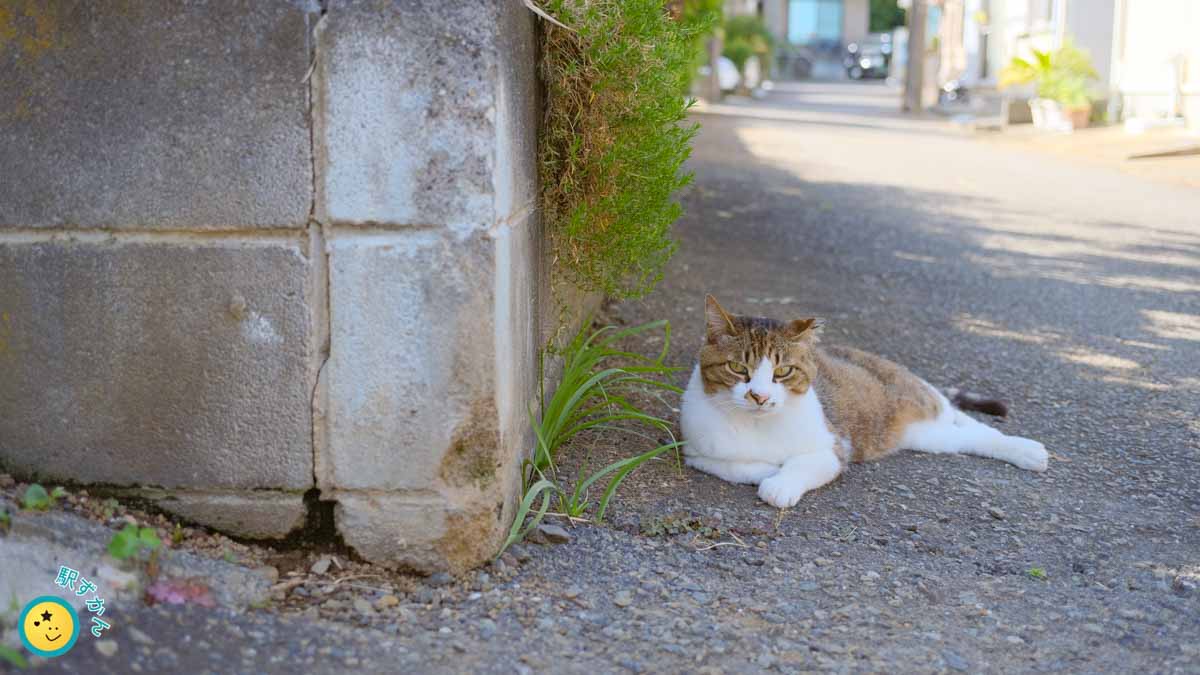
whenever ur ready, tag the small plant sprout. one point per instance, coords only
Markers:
(37, 499)
(1037, 573)
(129, 543)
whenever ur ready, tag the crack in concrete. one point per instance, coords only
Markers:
(318, 232)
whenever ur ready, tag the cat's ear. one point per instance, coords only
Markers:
(718, 321)
(804, 329)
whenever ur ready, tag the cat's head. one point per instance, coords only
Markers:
(754, 364)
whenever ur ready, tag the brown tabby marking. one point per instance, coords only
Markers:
(744, 341)
(866, 398)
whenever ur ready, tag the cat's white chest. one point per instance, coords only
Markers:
(713, 427)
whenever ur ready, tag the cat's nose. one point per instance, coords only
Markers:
(754, 396)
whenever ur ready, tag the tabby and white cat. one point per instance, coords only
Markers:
(767, 406)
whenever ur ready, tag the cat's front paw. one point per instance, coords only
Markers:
(781, 491)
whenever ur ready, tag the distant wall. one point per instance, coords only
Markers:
(1157, 59)
(252, 248)
(856, 20)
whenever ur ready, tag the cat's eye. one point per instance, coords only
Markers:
(738, 369)
(784, 371)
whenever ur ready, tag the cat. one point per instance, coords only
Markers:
(767, 405)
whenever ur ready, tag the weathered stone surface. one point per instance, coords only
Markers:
(410, 375)
(258, 515)
(39, 543)
(518, 111)
(181, 363)
(422, 534)
(425, 112)
(183, 114)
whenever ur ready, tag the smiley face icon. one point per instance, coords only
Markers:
(48, 626)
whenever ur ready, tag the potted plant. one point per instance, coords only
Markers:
(746, 38)
(1060, 78)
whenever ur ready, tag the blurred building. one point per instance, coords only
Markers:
(820, 25)
(1146, 52)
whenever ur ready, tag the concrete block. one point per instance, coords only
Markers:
(425, 113)
(259, 514)
(182, 114)
(172, 362)
(411, 372)
(420, 534)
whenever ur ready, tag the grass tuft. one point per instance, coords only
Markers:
(597, 378)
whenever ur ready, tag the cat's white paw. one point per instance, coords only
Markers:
(1029, 454)
(781, 491)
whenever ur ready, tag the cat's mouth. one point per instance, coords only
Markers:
(762, 410)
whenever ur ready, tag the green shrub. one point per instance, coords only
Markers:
(613, 140)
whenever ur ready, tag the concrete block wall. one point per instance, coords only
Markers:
(300, 257)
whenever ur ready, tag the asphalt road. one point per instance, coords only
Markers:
(1070, 290)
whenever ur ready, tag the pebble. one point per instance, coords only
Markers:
(438, 579)
(623, 599)
(954, 661)
(363, 607)
(996, 513)
(487, 629)
(321, 566)
(138, 636)
(554, 534)
(106, 647)
(572, 592)
(386, 601)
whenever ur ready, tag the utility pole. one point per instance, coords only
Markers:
(713, 86)
(914, 76)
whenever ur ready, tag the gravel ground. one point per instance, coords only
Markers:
(1071, 291)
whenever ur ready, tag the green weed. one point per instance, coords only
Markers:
(1037, 573)
(592, 395)
(37, 499)
(13, 657)
(613, 141)
(131, 540)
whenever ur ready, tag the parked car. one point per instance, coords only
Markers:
(869, 57)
